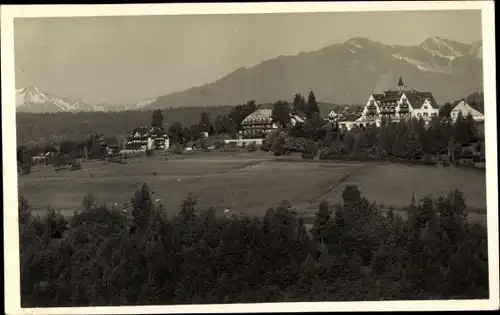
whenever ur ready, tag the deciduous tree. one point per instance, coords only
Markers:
(281, 113)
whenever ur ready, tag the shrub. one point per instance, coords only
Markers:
(265, 146)
(252, 147)
(178, 149)
(219, 144)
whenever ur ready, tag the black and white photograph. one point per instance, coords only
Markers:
(249, 157)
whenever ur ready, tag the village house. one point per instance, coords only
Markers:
(333, 116)
(403, 103)
(112, 145)
(137, 140)
(260, 123)
(257, 125)
(160, 138)
(142, 138)
(464, 109)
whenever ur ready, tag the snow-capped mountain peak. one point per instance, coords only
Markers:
(29, 94)
(450, 49)
(32, 99)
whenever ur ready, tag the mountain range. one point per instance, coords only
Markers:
(343, 73)
(30, 99)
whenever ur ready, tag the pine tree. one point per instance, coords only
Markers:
(412, 146)
(322, 221)
(299, 104)
(398, 148)
(142, 207)
(312, 105)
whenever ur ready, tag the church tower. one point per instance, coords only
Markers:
(401, 85)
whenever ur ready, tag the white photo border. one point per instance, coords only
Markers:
(10, 192)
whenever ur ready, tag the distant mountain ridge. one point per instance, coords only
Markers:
(346, 73)
(342, 73)
(31, 99)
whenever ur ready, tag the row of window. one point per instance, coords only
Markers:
(426, 114)
(256, 130)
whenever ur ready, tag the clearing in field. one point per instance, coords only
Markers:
(249, 182)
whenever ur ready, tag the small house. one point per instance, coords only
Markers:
(138, 139)
(113, 146)
(464, 109)
(160, 138)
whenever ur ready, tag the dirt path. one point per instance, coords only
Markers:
(338, 183)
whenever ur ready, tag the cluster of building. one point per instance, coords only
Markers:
(402, 103)
(144, 139)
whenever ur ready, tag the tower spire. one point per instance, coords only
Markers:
(400, 83)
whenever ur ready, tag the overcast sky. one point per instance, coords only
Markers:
(123, 59)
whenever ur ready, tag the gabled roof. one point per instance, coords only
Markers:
(332, 114)
(466, 109)
(378, 96)
(393, 94)
(417, 99)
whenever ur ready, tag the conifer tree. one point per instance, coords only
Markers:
(312, 105)
(322, 221)
(142, 206)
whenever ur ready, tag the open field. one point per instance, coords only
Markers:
(245, 182)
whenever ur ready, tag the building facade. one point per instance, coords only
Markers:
(464, 109)
(142, 138)
(260, 123)
(333, 116)
(402, 103)
(257, 125)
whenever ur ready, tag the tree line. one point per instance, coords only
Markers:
(105, 256)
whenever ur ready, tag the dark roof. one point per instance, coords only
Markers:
(390, 95)
(415, 98)
(111, 141)
(418, 98)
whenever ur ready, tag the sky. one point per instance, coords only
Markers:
(125, 59)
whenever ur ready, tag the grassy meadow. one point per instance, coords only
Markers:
(245, 182)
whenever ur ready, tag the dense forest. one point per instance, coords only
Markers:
(107, 256)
